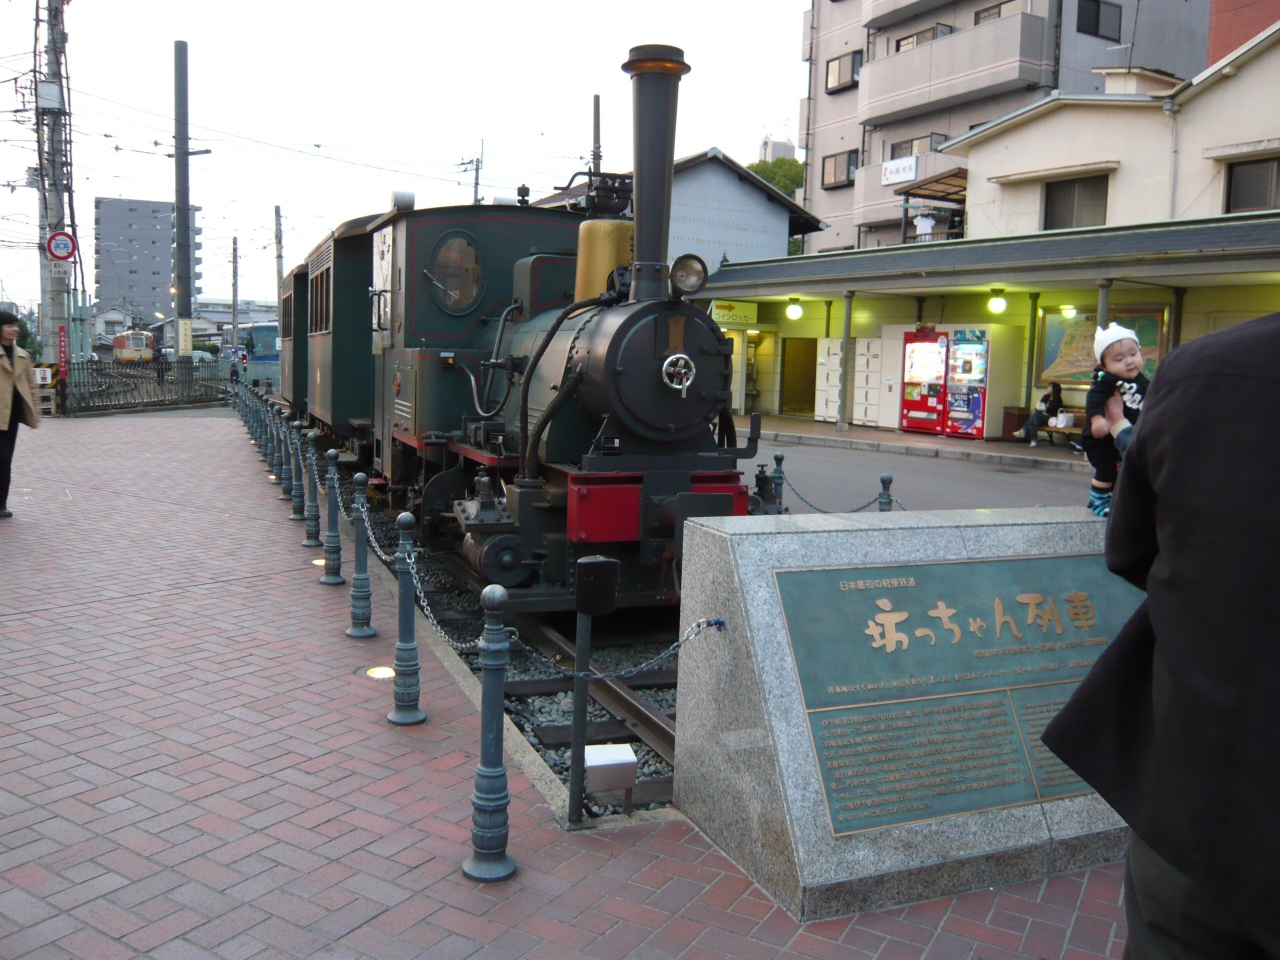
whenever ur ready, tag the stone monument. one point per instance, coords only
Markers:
(866, 729)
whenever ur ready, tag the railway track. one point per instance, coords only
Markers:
(632, 717)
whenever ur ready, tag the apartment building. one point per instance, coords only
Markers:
(133, 256)
(1202, 148)
(892, 80)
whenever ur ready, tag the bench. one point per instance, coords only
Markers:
(1069, 433)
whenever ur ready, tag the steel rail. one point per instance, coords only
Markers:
(648, 723)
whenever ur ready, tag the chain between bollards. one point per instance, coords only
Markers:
(406, 711)
(489, 861)
(361, 594)
(312, 512)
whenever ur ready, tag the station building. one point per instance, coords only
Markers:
(1157, 200)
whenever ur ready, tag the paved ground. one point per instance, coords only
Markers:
(191, 768)
(837, 479)
(1044, 455)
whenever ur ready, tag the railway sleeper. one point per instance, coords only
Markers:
(649, 680)
(553, 735)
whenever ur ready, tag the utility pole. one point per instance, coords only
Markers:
(181, 188)
(595, 137)
(279, 254)
(235, 286)
(51, 139)
(475, 163)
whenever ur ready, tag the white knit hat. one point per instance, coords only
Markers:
(1113, 334)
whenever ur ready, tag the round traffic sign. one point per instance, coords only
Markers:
(61, 245)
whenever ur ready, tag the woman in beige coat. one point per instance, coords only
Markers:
(17, 399)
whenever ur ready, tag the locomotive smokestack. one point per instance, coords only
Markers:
(655, 71)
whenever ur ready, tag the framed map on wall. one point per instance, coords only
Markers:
(1066, 345)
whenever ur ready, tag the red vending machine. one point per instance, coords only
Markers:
(924, 391)
(967, 363)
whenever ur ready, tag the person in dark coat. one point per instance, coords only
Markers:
(1177, 725)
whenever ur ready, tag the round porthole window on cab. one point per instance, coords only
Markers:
(455, 276)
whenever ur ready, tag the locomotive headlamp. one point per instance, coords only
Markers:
(688, 274)
(997, 303)
(794, 310)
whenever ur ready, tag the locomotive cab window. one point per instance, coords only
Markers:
(455, 277)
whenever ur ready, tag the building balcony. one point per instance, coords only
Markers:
(877, 13)
(982, 61)
(877, 204)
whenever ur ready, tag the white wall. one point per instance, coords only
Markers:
(1073, 134)
(714, 214)
(1235, 110)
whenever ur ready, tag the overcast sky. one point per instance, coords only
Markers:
(325, 107)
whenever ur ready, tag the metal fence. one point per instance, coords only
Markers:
(98, 385)
(262, 371)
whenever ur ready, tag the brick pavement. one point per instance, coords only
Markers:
(191, 768)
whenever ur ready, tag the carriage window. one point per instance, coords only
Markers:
(318, 315)
(286, 317)
(455, 277)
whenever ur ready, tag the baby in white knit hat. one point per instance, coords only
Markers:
(1119, 373)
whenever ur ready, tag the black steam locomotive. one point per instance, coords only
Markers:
(534, 383)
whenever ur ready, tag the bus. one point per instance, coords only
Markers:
(266, 339)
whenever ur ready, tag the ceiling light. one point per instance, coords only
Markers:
(1068, 311)
(794, 310)
(753, 333)
(997, 303)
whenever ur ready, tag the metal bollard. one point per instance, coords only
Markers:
(779, 478)
(596, 594)
(361, 595)
(332, 539)
(884, 499)
(286, 456)
(489, 861)
(260, 412)
(407, 690)
(313, 496)
(277, 444)
(299, 479)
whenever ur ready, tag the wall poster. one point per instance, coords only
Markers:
(1065, 347)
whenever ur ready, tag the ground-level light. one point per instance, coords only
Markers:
(380, 673)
